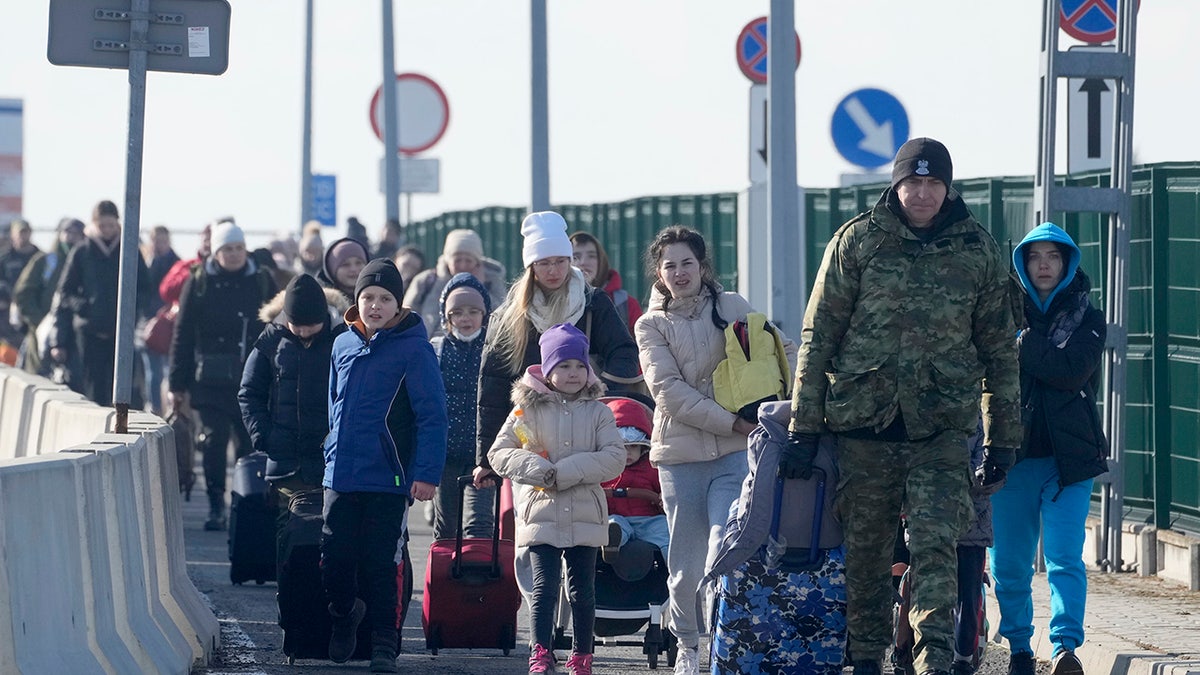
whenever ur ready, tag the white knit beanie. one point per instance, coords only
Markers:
(462, 241)
(224, 234)
(545, 235)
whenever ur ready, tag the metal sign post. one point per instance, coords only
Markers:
(785, 236)
(391, 117)
(539, 95)
(182, 36)
(1050, 198)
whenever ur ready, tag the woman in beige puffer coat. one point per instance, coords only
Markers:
(698, 446)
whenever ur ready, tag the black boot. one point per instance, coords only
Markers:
(344, 638)
(383, 651)
(216, 513)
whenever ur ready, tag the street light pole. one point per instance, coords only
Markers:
(539, 103)
(391, 131)
(306, 151)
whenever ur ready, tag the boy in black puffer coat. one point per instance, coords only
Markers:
(284, 395)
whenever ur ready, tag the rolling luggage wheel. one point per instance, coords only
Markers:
(672, 648)
(435, 640)
(561, 640)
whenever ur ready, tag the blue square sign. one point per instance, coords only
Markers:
(324, 199)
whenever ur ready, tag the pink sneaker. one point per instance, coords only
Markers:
(541, 660)
(580, 664)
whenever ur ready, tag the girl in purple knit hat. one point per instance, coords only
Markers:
(557, 445)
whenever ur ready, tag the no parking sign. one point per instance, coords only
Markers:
(1092, 21)
(752, 50)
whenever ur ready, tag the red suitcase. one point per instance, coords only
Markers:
(471, 597)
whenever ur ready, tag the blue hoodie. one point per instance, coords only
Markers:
(1053, 233)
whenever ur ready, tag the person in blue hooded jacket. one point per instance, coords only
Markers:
(464, 307)
(1049, 489)
(386, 442)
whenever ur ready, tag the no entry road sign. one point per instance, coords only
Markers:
(752, 50)
(1092, 21)
(423, 110)
(868, 127)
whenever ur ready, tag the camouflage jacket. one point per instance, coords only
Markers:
(897, 325)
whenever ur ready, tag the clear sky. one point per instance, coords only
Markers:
(645, 98)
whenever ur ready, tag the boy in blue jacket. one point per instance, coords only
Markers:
(387, 442)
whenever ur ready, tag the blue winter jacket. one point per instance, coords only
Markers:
(387, 409)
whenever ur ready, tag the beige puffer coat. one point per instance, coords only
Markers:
(679, 348)
(557, 498)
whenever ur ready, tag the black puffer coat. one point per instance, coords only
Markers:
(215, 329)
(284, 395)
(1058, 397)
(610, 342)
(87, 291)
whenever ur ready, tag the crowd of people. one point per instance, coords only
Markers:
(380, 382)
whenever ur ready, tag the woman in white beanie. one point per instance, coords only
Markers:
(550, 291)
(462, 252)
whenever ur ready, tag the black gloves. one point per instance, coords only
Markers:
(997, 461)
(796, 460)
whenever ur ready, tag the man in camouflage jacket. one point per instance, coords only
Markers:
(908, 337)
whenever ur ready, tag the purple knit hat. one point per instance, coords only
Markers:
(562, 342)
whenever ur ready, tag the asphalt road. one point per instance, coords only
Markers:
(251, 640)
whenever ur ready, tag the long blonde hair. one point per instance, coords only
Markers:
(508, 334)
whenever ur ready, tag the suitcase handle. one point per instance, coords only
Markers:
(814, 546)
(456, 568)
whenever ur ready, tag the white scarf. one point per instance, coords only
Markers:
(576, 304)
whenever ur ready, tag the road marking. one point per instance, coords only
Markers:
(237, 649)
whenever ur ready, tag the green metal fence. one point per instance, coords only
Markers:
(1162, 448)
(624, 228)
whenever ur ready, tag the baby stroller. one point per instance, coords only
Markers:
(631, 592)
(630, 595)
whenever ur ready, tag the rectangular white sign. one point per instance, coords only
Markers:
(11, 159)
(758, 133)
(1090, 121)
(417, 174)
(198, 44)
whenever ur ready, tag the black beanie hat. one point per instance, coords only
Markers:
(923, 157)
(304, 301)
(380, 272)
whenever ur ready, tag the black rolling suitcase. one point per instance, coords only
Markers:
(303, 613)
(251, 522)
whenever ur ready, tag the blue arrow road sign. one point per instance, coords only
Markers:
(868, 127)
(324, 199)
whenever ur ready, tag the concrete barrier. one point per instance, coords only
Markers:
(134, 515)
(125, 637)
(49, 628)
(14, 410)
(93, 573)
(163, 536)
(36, 438)
(70, 423)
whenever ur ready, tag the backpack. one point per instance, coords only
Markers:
(266, 284)
(750, 515)
(755, 368)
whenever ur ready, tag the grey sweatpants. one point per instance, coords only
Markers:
(696, 497)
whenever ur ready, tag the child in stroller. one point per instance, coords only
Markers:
(631, 577)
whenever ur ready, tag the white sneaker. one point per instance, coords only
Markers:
(687, 661)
